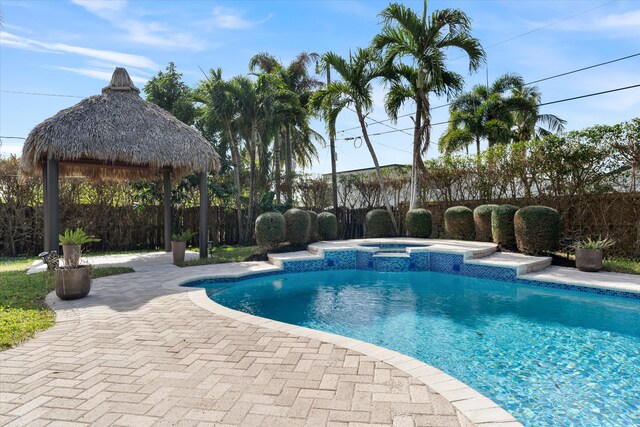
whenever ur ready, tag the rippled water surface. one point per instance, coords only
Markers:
(550, 357)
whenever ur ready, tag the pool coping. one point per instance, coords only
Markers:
(538, 271)
(470, 403)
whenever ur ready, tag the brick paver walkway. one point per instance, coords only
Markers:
(134, 353)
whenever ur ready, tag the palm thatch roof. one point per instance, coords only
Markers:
(117, 135)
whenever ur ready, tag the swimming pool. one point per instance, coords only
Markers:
(551, 357)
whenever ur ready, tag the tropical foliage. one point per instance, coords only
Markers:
(503, 112)
(425, 41)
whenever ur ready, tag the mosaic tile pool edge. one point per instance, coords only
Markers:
(418, 261)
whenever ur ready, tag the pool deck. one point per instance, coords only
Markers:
(142, 350)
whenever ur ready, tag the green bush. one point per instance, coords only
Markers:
(379, 223)
(298, 224)
(537, 229)
(313, 226)
(418, 222)
(327, 226)
(458, 223)
(482, 220)
(502, 230)
(270, 229)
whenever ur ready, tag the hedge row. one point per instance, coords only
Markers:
(531, 230)
(298, 227)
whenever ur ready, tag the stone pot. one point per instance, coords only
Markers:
(71, 255)
(178, 249)
(589, 259)
(73, 283)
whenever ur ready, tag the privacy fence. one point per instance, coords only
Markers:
(128, 216)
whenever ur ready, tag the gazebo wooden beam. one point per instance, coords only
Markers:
(51, 206)
(110, 165)
(166, 175)
(204, 210)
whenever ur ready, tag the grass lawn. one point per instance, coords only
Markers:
(622, 265)
(223, 254)
(613, 264)
(23, 311)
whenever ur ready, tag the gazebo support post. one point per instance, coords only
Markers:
(45, 216)
(166, 174)
(51, 205)
(204, 210)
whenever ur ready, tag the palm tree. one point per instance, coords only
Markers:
(354, 90)
(425, 41)
(484, 113)
(403, 89)
(221, 109)
(294, 135)
(528, 121)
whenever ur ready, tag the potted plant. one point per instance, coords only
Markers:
(179, 244)
(589, 253)
(73, 281)
(71, 242)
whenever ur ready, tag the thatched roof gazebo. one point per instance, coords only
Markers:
(113, 136)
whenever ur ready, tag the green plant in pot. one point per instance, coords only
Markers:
(589, 253)
(73, 281)
(179, 244)
(72, 241)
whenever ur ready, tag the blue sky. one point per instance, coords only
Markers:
(72, 47)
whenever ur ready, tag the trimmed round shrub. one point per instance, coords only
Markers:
(537, 229)
(313, 226)
(270, 229)
(482, 220)
(379, 223)
(298, 224)
(502, 230)
(458, 223)
(327, 226)
(418, 222)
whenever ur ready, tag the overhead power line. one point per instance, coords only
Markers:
(548, 25)
(42, 94)
(516, 109)
(577, 70)
(377, 122)
(12, 137)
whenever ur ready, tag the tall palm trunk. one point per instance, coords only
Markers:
(288, 164)
(413, 200)
(252, 185)
(235, 158)
(276, 166)
(383, 191)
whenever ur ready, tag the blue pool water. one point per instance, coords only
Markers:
(550, 357)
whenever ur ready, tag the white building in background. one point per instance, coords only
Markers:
(350, 196)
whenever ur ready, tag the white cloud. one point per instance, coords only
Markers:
(138, 31)
(100, 6)
(120, 58)
(233, 20)
(99, 74)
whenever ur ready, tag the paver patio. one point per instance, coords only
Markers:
(137, 353)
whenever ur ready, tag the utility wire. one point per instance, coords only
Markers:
(42, 94)
(12, 137)
(378, 122)
(548, 25)
(583, 69)
(577, 70)
(517, 109)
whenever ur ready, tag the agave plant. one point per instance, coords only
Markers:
(599, 243)
(76, 237)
